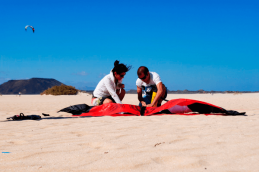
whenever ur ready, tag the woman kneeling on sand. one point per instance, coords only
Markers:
(110, 89)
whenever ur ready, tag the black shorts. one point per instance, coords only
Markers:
(109, 97)
(101, 99)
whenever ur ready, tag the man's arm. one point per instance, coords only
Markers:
(140, 98)
(158, 94)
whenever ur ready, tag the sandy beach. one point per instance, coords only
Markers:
(61, 142)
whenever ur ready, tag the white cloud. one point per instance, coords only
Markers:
(83, 73)
(40, 70)
(2, 80)
(101, 75)
(3, 73)
(82, 85)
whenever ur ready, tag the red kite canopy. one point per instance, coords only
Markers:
(175, 106)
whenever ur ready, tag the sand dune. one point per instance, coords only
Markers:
(155, 143)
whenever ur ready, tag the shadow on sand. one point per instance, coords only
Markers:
(76, 117)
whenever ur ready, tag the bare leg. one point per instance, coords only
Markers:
(107, 100)
(120, 94)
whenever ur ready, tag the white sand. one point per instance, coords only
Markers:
(154, 143)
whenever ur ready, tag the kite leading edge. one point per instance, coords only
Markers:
(30, 27)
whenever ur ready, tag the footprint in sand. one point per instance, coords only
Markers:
(17, 142)
(158, 144)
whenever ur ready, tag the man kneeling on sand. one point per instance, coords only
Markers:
(150, 82)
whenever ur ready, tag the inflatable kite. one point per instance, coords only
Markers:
(30, 27)
(175, 106)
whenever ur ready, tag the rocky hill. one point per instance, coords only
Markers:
(30, 86)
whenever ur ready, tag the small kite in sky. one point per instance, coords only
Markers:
(30, 27)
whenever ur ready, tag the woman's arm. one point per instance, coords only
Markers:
(111, 87)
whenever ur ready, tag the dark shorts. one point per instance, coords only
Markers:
(101, 100)
(148, 97)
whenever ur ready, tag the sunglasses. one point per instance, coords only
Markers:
(143, 77)
(121, 75)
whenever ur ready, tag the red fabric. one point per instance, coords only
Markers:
(113, 109)
(171, 103)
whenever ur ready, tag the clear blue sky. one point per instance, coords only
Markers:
(209, 44)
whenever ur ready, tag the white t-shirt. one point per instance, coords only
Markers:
(154, 80)
(107, 87)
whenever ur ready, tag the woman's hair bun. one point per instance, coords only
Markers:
(120, 67)
(116, 63)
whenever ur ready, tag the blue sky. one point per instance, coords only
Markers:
(209, 44)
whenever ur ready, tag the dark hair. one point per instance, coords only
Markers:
(142, 69)
(120, 67)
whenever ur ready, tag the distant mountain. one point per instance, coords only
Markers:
(30, 86)
(195, 92)
(131, 92)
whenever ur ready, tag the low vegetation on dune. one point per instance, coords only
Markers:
(61, 90)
